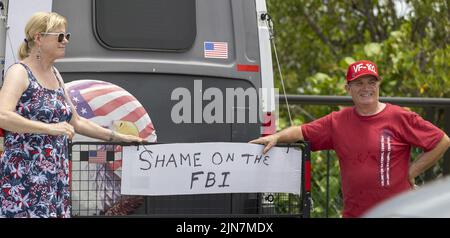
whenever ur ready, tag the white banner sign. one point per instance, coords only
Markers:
(199, 168)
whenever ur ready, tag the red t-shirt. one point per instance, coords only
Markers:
(373, 151)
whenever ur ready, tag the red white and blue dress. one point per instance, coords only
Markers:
(34, 168)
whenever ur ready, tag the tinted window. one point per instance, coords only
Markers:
(145, 24)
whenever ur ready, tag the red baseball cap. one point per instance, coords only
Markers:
(361, 68)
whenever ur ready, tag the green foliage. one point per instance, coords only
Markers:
(319, 166)
(317, 40)
(286, 203)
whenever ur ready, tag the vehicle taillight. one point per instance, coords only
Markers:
(269, 125)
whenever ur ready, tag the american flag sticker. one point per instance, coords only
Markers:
(217, 50)
(97, 157)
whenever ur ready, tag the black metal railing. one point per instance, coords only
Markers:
(95, 191)
(432, 107)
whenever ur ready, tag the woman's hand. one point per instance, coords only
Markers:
(119, 137)
(61, 128)
(268, 141)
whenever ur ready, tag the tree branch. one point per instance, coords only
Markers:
(318, 31)
(368, 11)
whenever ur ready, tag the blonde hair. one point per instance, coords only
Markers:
(39, 22)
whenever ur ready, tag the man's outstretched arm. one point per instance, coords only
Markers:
(288, 135)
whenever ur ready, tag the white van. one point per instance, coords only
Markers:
(150, 48)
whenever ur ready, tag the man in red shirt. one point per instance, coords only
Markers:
(372, 140)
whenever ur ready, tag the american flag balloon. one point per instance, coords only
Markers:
(112, 107)
(105, 103)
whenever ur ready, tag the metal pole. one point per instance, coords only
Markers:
(429, 116)
(327, 206)
(346, 100)
(446, 164)
(306, 190)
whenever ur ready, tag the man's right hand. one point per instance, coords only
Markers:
(61, 128)
(268, 141)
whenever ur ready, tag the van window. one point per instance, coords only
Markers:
(164, 25)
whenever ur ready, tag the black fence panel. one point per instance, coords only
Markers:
(95, 191)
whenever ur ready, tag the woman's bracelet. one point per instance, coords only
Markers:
(112, 136)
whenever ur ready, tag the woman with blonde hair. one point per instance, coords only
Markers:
(38, 118)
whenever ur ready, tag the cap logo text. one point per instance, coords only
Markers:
(361, 66)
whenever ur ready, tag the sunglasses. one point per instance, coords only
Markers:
(61, 35)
